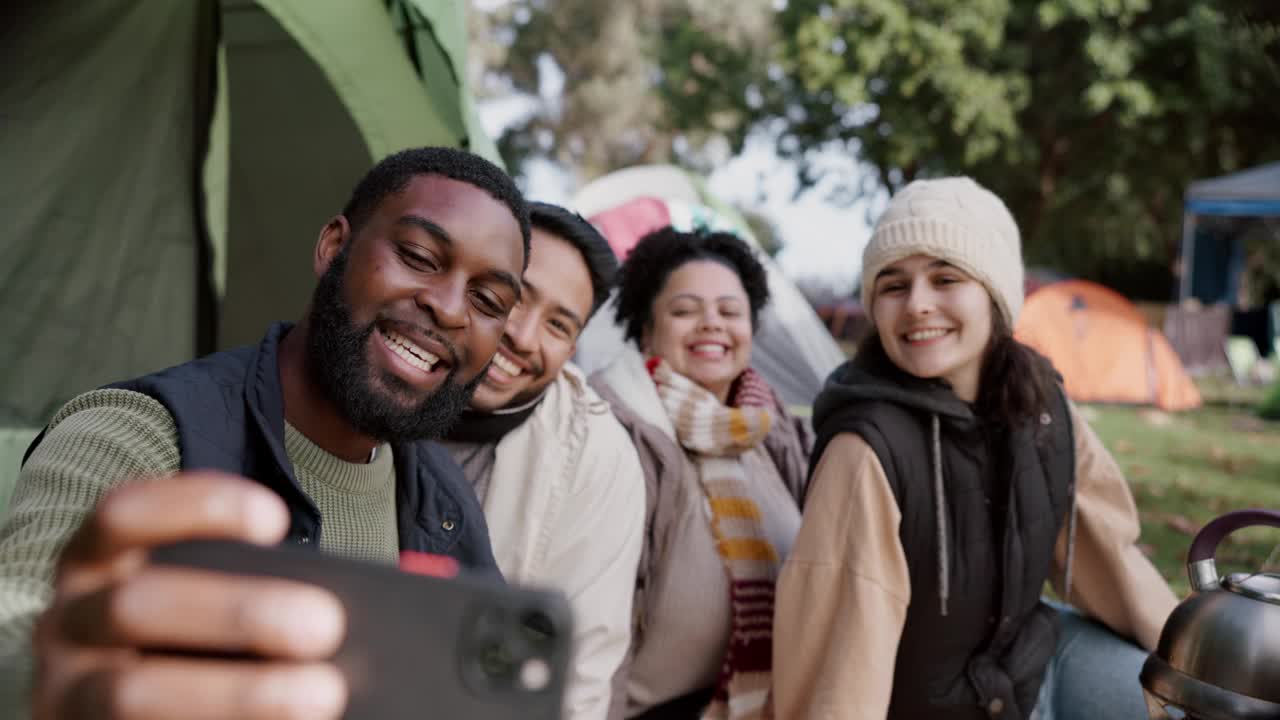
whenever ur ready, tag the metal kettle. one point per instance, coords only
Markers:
(1219, 651)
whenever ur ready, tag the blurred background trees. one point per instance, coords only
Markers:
(633, 72)
(1089, 117)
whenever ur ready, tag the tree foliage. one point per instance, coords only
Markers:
(1089, 117)
(634, 72)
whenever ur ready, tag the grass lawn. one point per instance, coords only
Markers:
(1188, 468)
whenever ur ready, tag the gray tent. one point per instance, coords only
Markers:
(1252, 193)
(168, 164)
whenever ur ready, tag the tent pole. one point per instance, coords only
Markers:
(1188, 254)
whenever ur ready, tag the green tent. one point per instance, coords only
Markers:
(167, 166)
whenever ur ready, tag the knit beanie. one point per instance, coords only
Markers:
(953, 219)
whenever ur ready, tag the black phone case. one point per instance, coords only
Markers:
(419, 646)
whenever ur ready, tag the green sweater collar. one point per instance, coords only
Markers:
(315, 462)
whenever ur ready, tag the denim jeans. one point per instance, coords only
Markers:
(1093, 674)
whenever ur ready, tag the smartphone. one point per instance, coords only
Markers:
(417, 645)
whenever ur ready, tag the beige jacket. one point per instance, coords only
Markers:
(565, 509)
(844, 591)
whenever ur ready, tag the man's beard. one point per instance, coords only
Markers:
(337, 357)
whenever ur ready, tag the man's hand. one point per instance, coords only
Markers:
(125, 638)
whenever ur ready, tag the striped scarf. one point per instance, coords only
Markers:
(716, 436)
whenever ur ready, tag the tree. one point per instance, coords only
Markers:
(629, 68)
(1089, 117)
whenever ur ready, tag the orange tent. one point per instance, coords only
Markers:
(1104, 348)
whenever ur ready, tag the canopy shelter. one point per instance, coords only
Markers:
(1210, 250)
(168, 166)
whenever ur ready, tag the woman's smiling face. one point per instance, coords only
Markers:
(934, 321)
(700, 324)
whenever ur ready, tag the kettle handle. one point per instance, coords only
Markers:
(1201, 566)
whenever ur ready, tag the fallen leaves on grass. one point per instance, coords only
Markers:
(1156, 418)
(1201, 466)
(1154, 490)
(1235, 465)
(1224, 460)
(1178, 523)
(1247, 423)
(1265, 439)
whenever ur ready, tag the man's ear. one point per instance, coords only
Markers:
(333, 237)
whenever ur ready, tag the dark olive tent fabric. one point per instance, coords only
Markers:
(165, 168)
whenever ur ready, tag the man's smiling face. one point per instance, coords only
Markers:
(411, 305)
(542, 332)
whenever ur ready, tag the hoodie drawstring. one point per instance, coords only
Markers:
(944, 544)
(1046, 419)
(940, 507)
(1071, 545)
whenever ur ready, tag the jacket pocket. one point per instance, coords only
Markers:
(1029, 654)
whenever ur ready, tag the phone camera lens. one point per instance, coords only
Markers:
(496, 661)
(515, 650)
(538, 628)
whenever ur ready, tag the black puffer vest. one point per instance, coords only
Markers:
(981, 511)
(229, 412)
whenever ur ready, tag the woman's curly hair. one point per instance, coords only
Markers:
(645, 272)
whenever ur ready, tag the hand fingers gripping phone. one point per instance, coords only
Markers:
(419, 646)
